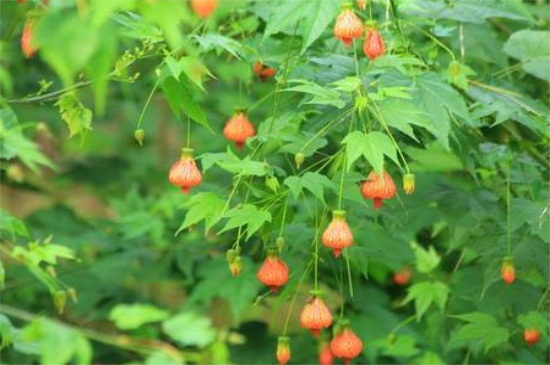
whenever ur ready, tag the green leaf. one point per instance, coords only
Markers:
(312, 181)
(348, 84)
(286, 13)
(425, 294)
(168, 16)
(12, 225)
(190, 329)
(179, 94)
(7, 332)
(533, 50)
(435, 158)
(14, 144)
(534, 320)
(248, 215)
(217, 41)
(74, 114)
(192, 67)
(132, 316)
(320, 95)
(474, 11)
(481, 328)
(232, 163)
(206, 207)
(426, 260)
(373, 146)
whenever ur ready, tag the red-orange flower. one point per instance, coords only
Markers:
(238, 129)
(374, 44)
(508, 271)
(204, 8)
(184, 172)
(403, 276)
(27, 46)
(315, 316)
(325, 355)
(348, 26)
(273, 272)
(283, 350)
(337, 235)
(378, 188)
(346, 345)
(531, 336)
(263, 71)
(362, 4)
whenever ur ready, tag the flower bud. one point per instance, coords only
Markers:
(59, 299)
(283, 350)
(408, 183)
(299, 158)
(139, 136)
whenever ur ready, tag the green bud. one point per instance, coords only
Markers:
(59, 299)
(139, 136)
(272, 183)
(299, 158)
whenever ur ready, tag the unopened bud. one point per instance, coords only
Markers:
(139, 136)
(408, 183)
(299, 158)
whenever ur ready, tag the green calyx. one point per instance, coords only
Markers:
(186, 152)
(339, 214)
(316, 293)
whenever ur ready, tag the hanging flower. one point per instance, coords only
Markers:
(184, 172)
(408, 183)
(204, 8)
(325, 355)
(348, 25)
(337, 235)
(315, 316)
(346, 345)
(403, 276)
(263, 71)
(508, 271)
(27, 36)
(283, 350)
(378, 188)
(362, 4)
(238, 129)
(374, 44)
(273, 272)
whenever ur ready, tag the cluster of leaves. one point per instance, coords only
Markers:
(460, 98)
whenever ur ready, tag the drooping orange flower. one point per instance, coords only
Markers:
(508, 271)
(531, 336)
(374, 44)
(315, 316)
(238, 128)
(362, 4)
(325, 355)
(283, 350)
(204, 8)
(348, 26)
(263, 71)
(184, 172)
(346, 345)
(403, 276)
(27, 46)
(337, 235)
(273, 272)
(378, 188)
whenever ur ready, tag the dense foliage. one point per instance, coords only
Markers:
(381, 166)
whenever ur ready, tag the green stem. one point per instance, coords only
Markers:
(50, 95)
(434, 39)
(284, 217)
(287, 320)
(348, 268)
(147, 102)
(188, 132)
(508, 211)
(325, 128)
(341, 190)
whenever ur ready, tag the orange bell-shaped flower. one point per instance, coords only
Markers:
(238, 129)
(27, 46)
(348, 26)
(204, 8)
(315, 316)
(508, 271)
(184, 172)
(263, 71)
(346, 345)
(378, 188)
(273, 272)
(374, 44)
(325, 355)
(337, 235)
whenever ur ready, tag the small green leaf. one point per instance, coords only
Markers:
(190, 329)
(533, 50)
(314, 182)
(206, 207)
(132, 316)
(248, 215)
(482, 328)
(534, 320)
(319, 94)
(373, 146)
(426, 260)
(74, 114)
(425, 294)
